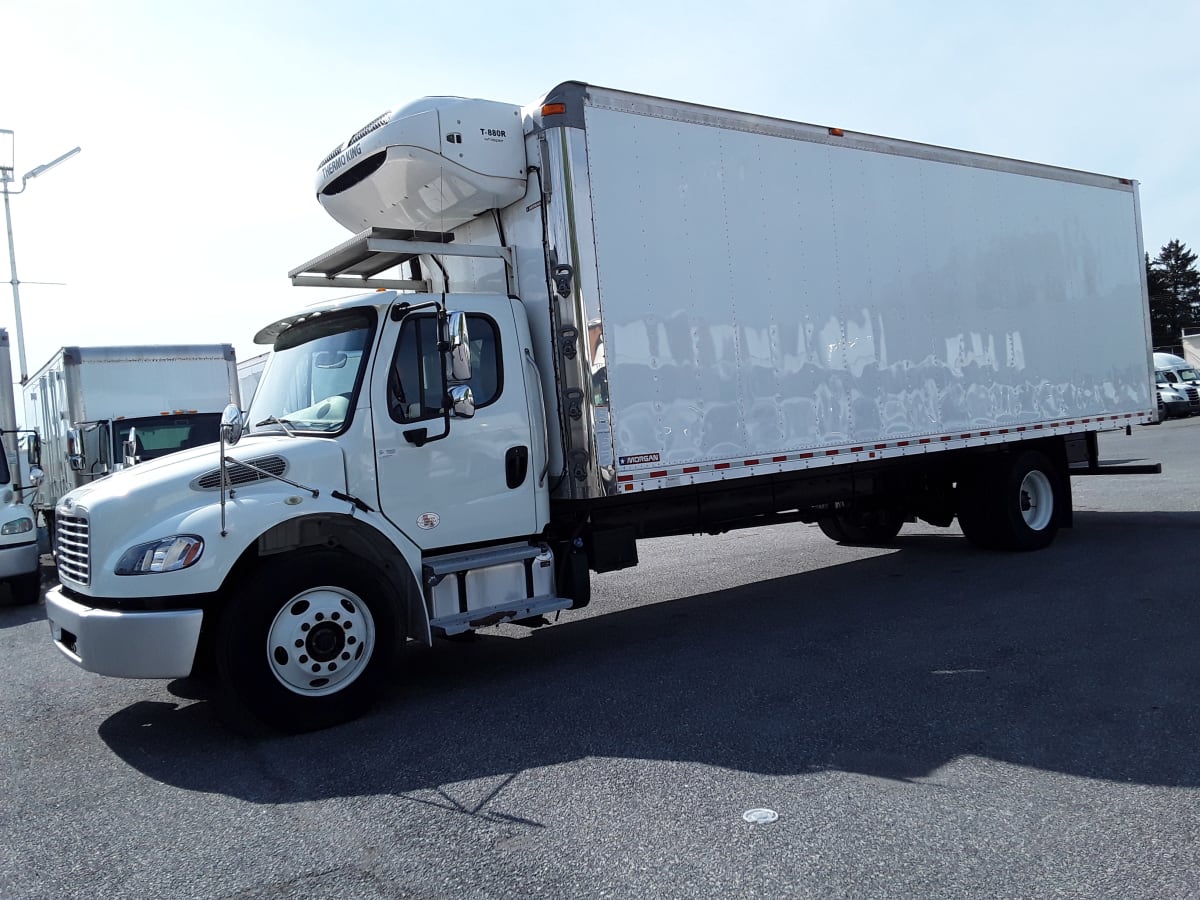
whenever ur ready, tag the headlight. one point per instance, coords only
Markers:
(18, 526)
(167, 555)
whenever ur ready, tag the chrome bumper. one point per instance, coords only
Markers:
(124, 644)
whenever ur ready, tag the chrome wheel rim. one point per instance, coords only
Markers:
(1037, 500)
(320, 641)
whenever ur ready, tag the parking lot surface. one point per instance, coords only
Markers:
(926, 720)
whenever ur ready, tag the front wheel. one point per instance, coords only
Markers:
(305, 642)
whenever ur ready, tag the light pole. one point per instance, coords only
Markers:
(8, 406)
(6, 175)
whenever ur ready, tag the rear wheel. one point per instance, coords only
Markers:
(877, 526)
(305, 642)
(1012, 502)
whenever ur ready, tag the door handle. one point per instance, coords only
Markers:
(516, 466)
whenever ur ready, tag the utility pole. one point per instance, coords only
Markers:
(8, 405)
(6, 175)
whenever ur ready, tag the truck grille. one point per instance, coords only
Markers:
(71, 549)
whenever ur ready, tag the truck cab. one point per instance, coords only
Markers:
(371, 376)
(1178, 385)
(389, 477)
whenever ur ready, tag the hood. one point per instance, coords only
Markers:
(1170, 361)
(181, 494)
(178, 476)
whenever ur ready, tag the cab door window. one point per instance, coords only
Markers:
(417, 379)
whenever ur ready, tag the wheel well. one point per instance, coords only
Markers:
(333, 532)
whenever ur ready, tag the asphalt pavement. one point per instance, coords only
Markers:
(926, 720)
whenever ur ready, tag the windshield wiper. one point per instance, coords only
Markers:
(282, 423)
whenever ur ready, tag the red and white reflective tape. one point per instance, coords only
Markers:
(803, 459)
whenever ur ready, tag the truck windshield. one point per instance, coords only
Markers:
(313, 374)
(159, 435)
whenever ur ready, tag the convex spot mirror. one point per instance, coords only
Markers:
(462, 401)
(232, 425)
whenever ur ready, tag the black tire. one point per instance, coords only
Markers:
(304, 642)
(26, 589)
(877, 527)
(975, 512)
(1012, 502)
(831, 527)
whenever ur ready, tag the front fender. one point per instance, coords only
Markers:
(265, 515)
(247, 516)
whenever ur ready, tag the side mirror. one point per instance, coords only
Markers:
(74, 450)
(459, 341)
(232, 425)
(36, 476)
(33, 449)
(129, 448)
(462, 401)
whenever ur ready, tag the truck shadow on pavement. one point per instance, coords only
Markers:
(12, 614)
(1080, 659)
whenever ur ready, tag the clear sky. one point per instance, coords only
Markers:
(202, 122)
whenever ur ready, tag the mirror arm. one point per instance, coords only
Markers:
(420, 436)
(400, 310)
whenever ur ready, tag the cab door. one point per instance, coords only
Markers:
(478, 483)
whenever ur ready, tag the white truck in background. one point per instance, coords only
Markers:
(1190, 339)
(1178, 384)
(86, 402)
(612, 317)
(20, 558)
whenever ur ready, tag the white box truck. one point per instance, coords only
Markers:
(1190, 339)
(86, 402)
(597, 319)
(20, 557)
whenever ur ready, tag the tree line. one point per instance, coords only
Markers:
(1174, 287)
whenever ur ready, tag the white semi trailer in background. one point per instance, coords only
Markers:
(86, 402)
(612, 317)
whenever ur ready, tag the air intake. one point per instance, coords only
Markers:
(377, 122)
(239, 474)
